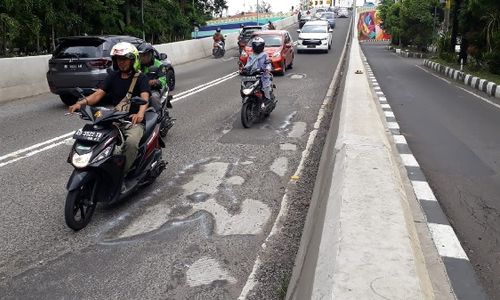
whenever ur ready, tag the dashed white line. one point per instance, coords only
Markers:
(384, 105)
(382, 98)
(393, 125)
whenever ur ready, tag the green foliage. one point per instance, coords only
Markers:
(32, 26)
(409, 22)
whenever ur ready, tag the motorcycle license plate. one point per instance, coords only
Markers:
(87, 135)
(249, 78)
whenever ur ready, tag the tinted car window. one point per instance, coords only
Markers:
(272, 40)
(82, 49)
(328, 16)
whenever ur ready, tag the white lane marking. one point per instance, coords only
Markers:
(16, 155)
(377, 88)
(389, 114)
(463, 89)
(423, 191)
(33, 153)
(398, 138)
(382, 98)
(279, 166)
(384, 105)
(203, 88)
(409, 160)
(380, 93)
(204, 84)
(439, 77)
(481, 98)
(446, 241)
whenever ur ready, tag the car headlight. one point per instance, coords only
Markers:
(276, 54)
(81, 161)
(104, 153)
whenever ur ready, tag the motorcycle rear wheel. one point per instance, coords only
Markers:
(80, 206)
(247, 114)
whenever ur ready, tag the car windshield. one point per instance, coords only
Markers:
(272, 40)
(314, 29)
(328, 16)
(84, 49)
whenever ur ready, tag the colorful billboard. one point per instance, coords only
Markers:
(369, 25)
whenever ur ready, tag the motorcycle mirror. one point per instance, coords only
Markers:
(138, 100)
(298, 30)
(163, 56)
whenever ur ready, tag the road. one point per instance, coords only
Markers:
(453, 135)
(196, 232)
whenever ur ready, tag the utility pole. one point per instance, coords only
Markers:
(142, 20)
(257, 12)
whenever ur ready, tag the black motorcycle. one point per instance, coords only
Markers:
(218, 49)
(165, 120)
(254, 107)
(99, 164)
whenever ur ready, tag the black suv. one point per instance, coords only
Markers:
(84, 61)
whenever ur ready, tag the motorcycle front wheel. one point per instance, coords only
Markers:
(80, 205)
(247, 114)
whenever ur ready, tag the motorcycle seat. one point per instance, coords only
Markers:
(150, 117)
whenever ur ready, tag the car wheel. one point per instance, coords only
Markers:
(170, 79)
(68, 99)
(329, 46)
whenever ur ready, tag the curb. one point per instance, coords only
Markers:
(483, 85)
(456, 262)
(409, 54)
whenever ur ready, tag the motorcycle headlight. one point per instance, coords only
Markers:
(81, 161)
(247, 92)
(276, 54)
(244, 54)
(104, 153)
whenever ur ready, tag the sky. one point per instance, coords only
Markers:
(236, 6)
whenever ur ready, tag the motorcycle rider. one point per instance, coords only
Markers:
(146, 54)
(120, 86)
(218, 37)
(270, 25)
(258, 61)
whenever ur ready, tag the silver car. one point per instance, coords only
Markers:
(84, 61)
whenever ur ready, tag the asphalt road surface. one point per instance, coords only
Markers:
(453, 134)
(193, 234)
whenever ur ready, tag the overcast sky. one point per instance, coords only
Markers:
(244, 5)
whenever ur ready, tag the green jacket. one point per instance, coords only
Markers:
(161, 69)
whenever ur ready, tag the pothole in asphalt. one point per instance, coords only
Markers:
(213, 179)
(205, 271)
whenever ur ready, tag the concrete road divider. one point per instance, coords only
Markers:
(23, 76)
(26, 76)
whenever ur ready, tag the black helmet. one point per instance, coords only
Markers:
(258, 45)
(145, 47)
(218, 29)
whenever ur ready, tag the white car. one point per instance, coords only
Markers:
(343, 12)
(315, 35)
